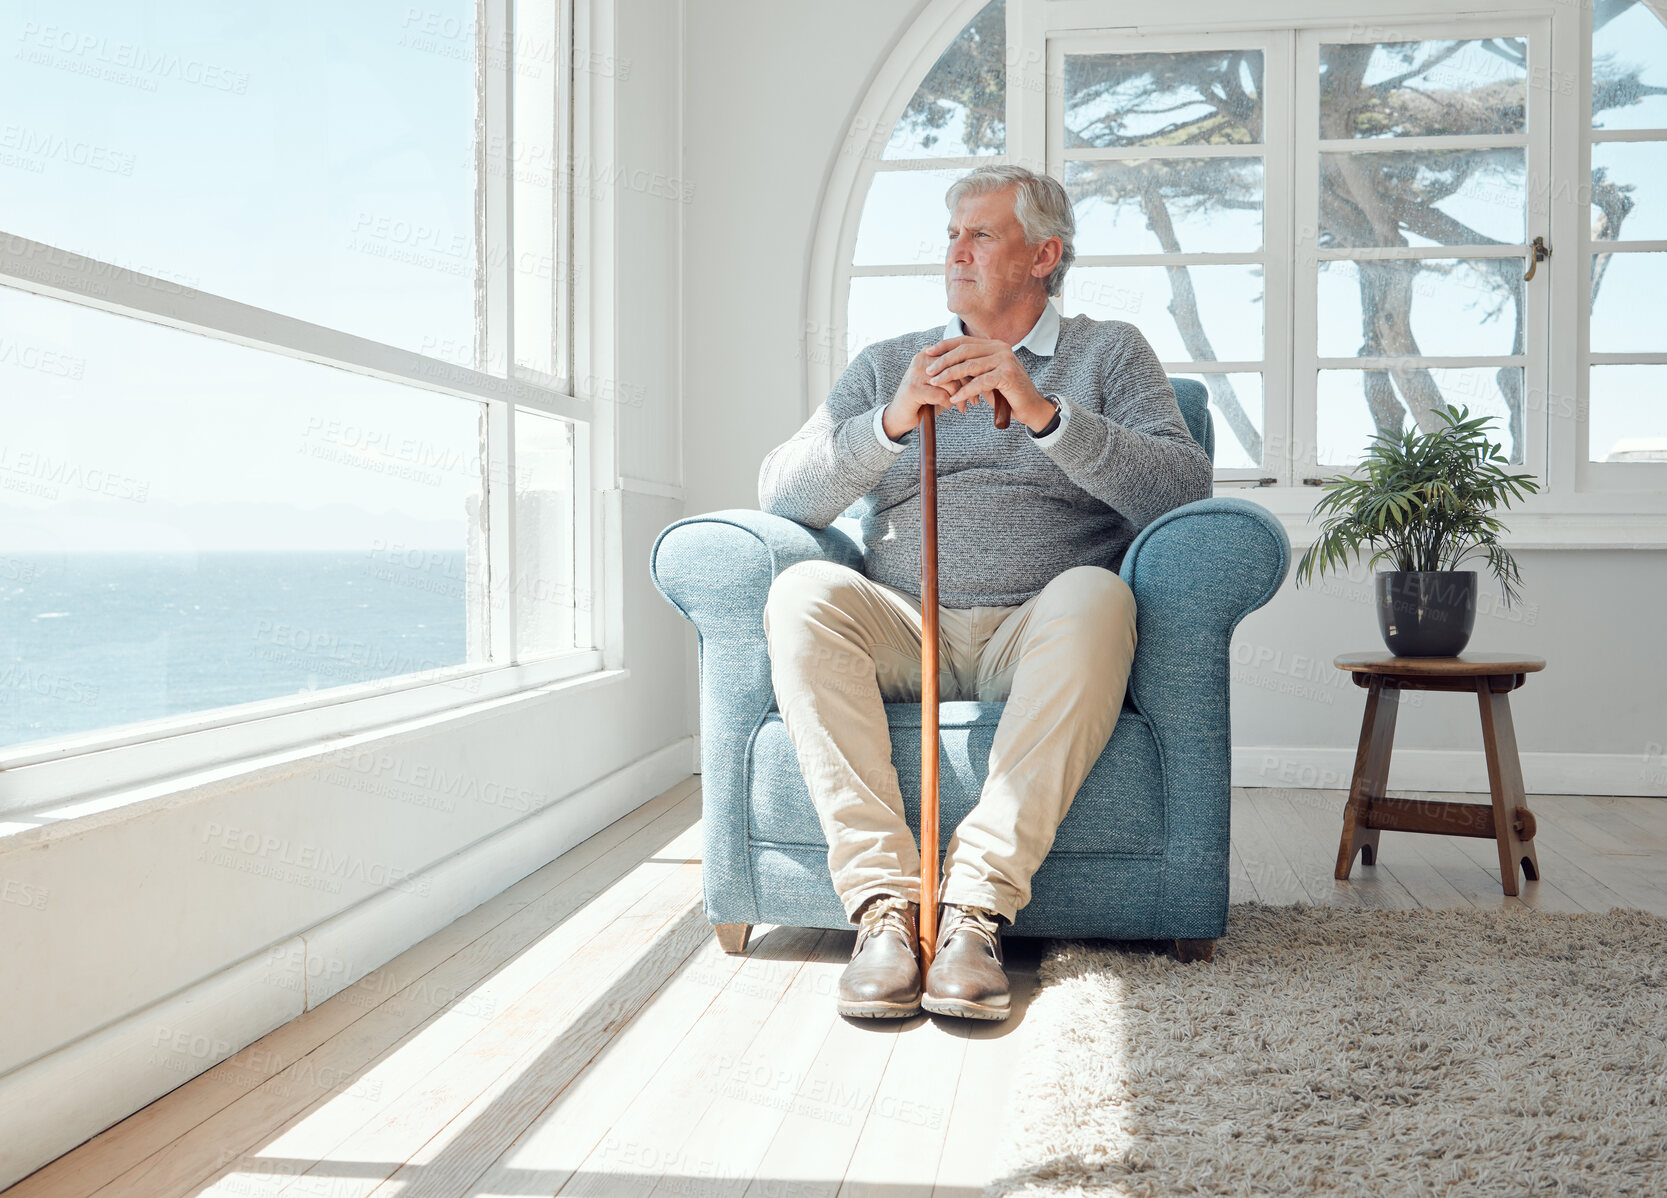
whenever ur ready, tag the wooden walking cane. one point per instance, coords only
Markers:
(929, 673)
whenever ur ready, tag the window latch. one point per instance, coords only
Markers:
(1541, 253)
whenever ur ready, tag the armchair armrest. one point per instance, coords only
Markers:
(717, 569)
(1195, 573)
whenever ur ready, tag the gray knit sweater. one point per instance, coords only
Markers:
(1013, 512)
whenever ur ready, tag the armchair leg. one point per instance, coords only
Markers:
(732, 937)
(1195, 950)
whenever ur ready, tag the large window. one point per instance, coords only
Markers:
(285, 410)
(1335, 227)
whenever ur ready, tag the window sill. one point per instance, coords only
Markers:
(1585, 520)
(73, 777)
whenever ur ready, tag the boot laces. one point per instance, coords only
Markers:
(984, 924)
(888, 912)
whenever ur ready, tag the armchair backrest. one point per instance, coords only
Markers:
(1195, 408)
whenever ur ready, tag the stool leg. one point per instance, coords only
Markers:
(1371, 775)
(1499, 738)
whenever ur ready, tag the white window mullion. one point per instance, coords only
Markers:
(1302, 460)
(494, 347)
(1539, 293)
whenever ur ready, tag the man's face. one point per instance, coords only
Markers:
(989, 267)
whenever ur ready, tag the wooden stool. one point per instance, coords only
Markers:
(1491, 676)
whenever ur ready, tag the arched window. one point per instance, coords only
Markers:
(1327, 223)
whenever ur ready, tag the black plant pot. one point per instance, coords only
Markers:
(1426, 613)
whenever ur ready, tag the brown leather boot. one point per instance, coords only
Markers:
(883, 979)
(967, 978)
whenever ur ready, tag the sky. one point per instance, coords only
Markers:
(315, 158)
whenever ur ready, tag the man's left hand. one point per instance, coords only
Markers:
(982, 366)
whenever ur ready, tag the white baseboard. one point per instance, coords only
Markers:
(60, 1100)
(1454, 770)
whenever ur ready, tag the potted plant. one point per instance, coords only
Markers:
(1424, 502)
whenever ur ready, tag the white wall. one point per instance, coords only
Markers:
(763, 131)
(202, 916)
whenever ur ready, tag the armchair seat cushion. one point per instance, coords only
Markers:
(1119, 811)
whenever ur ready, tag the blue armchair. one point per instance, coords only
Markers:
(1143, 852)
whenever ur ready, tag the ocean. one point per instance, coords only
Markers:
(95, 640)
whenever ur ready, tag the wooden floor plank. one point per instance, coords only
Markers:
(752, 1090)
(902, 1137)
(562, 1036)
(149, 1130)
(1241, 888)
(808, 1155)
(1312, 862)
(1319, 814)
(420, 1090)
(1480, 886)
(583, 1033)
(652, 1137)
(353, 1067)
(1270, 871)
(549, 1151)
(967, 1162)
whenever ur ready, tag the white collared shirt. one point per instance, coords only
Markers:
(1042, 340)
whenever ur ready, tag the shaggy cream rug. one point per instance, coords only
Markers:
(1345, 1051)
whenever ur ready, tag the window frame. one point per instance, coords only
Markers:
(1275, 253)
(1577, 508)
(127, 762)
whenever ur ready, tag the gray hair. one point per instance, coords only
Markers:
(1041, 205)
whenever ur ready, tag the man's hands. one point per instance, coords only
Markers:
(970, 366)
(959, 372)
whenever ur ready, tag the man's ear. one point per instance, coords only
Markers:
(1049, 253)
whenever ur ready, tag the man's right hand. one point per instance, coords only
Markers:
(914, 393)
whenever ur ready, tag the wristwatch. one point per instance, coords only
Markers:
(1052, 424)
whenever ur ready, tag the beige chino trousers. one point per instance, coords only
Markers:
(842, 645)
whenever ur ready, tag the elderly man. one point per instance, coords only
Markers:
(1033, 523)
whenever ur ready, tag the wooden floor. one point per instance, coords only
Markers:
(582, 1033)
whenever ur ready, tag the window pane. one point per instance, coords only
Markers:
(316, 159)
(1628, 414)
(1211, 97)
(904, 219)
(961, 107)
(1626, 303)
(1453, 197)
(1236, 409)
(1424, 89)
(1433, 307)
(1629, 67)
(547, 607)
(1629, 190)
(1355, 405)
(1215, 315)
(1167, 205)
(534, 160)
(889, 306)
(187, 524)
